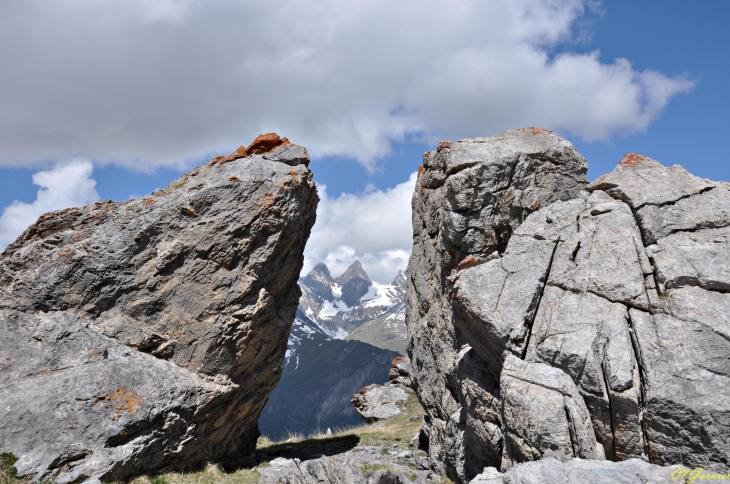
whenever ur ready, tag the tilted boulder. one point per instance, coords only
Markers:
(620, 284)
(146, 336)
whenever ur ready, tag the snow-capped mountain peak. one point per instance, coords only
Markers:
(341, 304)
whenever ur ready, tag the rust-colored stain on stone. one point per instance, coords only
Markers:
(466, 262)
(397, 360)
(233, 179)
(121, 401)
(443, 144)
(632, 159)
(265, 143)
(421, 170)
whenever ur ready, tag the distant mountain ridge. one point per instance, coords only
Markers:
(340, 305)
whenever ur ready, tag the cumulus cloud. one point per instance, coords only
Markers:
(373, 227)
(145, 84)
(65, 185)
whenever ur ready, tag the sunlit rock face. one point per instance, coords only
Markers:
(146, 336)
(620, 286)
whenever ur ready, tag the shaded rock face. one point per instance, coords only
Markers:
(614, 285)
(146, 336)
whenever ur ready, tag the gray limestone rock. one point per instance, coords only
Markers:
(470, 197)
(146, 336)
(623, 287)
(378, 402)
(697, 258)
(325, 470)
(639, 181)
(338, 469)
(544, 415)
(579, 471)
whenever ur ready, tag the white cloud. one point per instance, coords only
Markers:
(148, 83)
(373, 227)
(65, 185)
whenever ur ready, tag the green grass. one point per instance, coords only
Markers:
(210, 475)
(395, 430)
(8, 472)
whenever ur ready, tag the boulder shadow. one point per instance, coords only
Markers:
(307, 449)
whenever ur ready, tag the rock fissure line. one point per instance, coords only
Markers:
(462, 167)
(692, 230)
(571, 428)
(639, 358)
(610, 408)
(539, 300)
(673, 202)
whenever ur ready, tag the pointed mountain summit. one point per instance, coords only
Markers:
(400, 282)
(319, 283)
(340, 305)
(355, 270)
(355, 283)
(320, 271)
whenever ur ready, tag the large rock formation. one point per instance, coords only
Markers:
(552, 317)
(146, 336)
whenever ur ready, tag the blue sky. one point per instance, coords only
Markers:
(362, 151)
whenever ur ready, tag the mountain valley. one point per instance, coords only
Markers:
(346, 332)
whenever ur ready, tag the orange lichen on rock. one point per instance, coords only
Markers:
(443, 144)
(421, 170)
(262, 144)
(236, 155)
(233, 179)
(265, 143)
(535, 130)
(466, 262)
(631, 160)
(122, 401)
(397, 360)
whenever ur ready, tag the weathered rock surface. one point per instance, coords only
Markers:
(379, 402)
(621, 285)
(470, 196)
(543, 415)
(339, 469)
(578, 471)
(146, 336)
